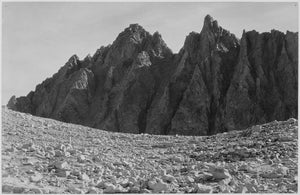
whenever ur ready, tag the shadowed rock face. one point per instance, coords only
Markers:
(215, 83)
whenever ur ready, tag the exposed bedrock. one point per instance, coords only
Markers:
(215, 83)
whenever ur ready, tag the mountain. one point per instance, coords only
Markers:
(216, 83)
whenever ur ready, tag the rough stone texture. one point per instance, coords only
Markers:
(215, 83)
(255, 160)
(265, 81)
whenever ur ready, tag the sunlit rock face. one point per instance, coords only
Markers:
(215, 83)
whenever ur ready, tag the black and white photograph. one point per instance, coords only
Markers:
(149, 97)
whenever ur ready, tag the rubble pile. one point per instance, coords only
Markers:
(46, 156)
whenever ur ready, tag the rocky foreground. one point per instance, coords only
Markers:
(46, 156)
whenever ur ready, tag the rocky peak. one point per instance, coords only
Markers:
(134, 33)
(156, 35)
(135, 28)
(88, 58)
(157, 39)
(74, 59)
(215, 34)
(12, 103)
(158, 47)
(191, 41)
(210, 25)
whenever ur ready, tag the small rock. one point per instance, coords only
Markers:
(82, 150)
(30, 172)
(12, 149)
(72, 151)
(58, 153)
(292, 120)
(37, 177)
(219, 173)
(36, 190)
(61, 165)
(224, 187)
(241, 189)
(50, 153)
(101, 184)
(283, 170)
(67, 154)
(81, 159)
(62, 173)
(72, 177)
(145, 191)
(160, 186)
(49, 148)
(41, 152)
(32, 148)
(252, 188)
(285, 138)
(275, 122)
(28, 161)
(69, 147)
(207, 176)
(7, 188)
(77, 173)
(109, 188)
(74, 190)
(270, 175)
(134, 189)
(93, 190)
(45, 191)
(18, 190)
(200, 188)
(84, 177)
(96, 159)
(119, 189)
(190, 179)
(28, 145)
(177, 159)
(61, 147)
(257, 128)
(168, 178)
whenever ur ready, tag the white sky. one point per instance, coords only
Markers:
(38, 38)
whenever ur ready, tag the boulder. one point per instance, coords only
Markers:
(63, 165)
(18, 190)
(7, 188)
(81, 159)
(200, 188)
(36, 177)
(62, 173)
(158, 186)
(75, 190)
(219, 173)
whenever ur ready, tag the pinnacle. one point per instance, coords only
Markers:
(208, 19)
(210, 24)
(73, 58)
(132, 30)
(135, 28)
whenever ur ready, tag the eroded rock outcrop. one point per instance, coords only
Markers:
(215, 83)
(265, 81)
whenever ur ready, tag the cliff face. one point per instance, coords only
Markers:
(265, 81)
(215, 83)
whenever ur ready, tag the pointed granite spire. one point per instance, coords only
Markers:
(210, 24)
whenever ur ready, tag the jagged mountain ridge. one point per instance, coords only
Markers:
(215, 83)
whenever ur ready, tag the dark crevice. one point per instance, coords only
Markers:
(177, 90)
(117, 124)
(211, 112)
(142, 118)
